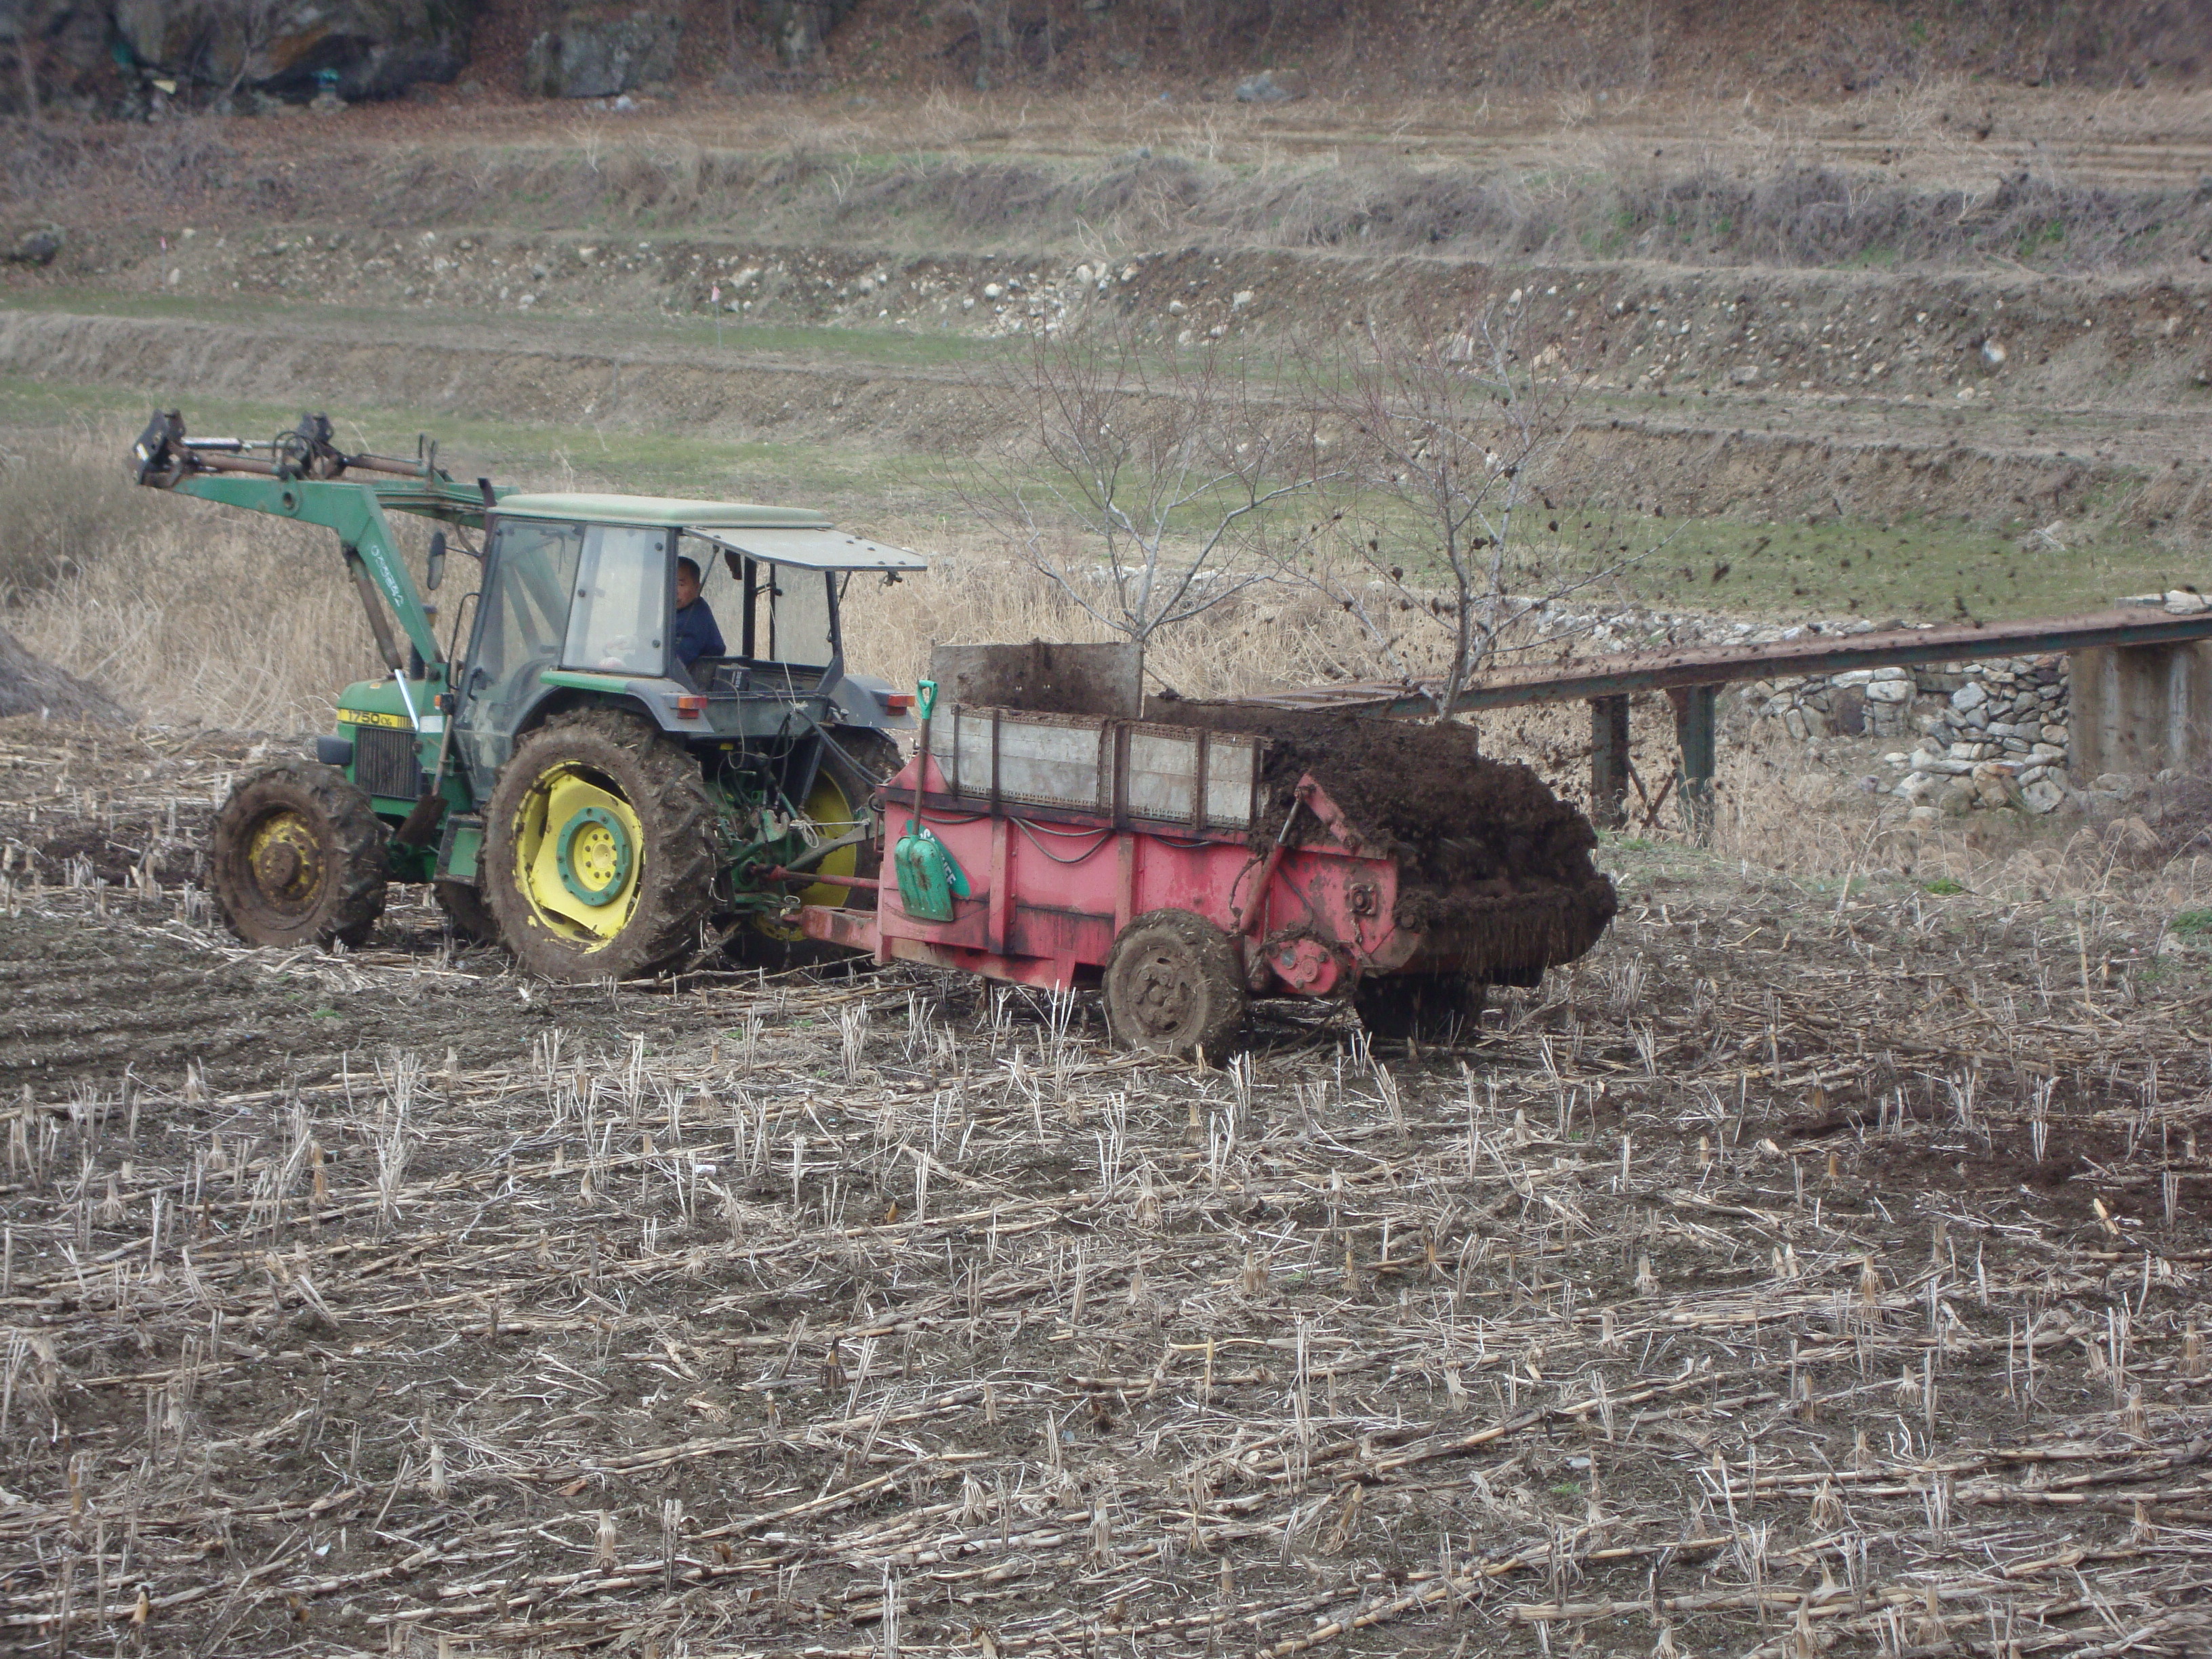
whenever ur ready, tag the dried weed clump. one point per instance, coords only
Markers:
(1764, 199)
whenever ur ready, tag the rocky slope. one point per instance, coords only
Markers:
(130, 56)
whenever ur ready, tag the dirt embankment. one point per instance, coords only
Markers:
(2005, 336)
(31, 685)
(1823, 395)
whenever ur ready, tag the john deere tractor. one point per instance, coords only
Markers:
(563, 780)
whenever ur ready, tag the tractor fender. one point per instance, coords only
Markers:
(865, 700)
(563, 698)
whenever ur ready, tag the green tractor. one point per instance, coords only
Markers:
(568, 784)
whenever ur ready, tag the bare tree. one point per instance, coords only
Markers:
(1456, 453)
(995, 40)
(1148, 484)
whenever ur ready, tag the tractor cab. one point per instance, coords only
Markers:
(578, 598)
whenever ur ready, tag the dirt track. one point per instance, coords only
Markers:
(1719, 1294)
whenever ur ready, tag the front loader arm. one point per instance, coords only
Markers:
(303, 479)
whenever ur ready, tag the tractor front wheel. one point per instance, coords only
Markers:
(466, 913)
(599, 848)
(298, 858)
(1174, 984)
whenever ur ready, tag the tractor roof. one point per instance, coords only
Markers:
(583, 508)
(779, 535)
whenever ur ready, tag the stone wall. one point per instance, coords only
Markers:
(2000, 725)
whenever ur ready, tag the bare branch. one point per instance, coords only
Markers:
(1142, 482)
(1455, 450)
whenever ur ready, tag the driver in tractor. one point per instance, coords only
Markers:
(696, 634)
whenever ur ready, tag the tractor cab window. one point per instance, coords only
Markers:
(620, 621)
(520, 623)
(801, 616)
(769, 612)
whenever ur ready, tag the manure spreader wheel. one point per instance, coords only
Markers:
(1174, 984)
(298, 858)
(599, 848)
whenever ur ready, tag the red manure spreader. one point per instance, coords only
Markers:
(1190, 862)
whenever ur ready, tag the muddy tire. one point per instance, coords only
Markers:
(298, 857)
(1429, 1007)
(600, 849)
(466, 913)
(1174, 985)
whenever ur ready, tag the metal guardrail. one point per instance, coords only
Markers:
(1691, 678)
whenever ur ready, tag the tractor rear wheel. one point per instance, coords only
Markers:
(1430, 1007)
(1174, 984)
(600, 849)
(854, 764)
(298, 858)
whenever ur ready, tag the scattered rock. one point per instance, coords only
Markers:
(34, 247)
(375, 48)
(1263, 88)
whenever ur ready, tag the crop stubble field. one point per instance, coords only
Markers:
(1810, 1268)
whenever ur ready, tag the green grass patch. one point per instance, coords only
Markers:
(1943, 887)
(2191, 922)
(549, 328)
(1918, 569)
(842, 479)
(1915, 568)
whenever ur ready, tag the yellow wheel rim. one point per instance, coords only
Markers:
(285, 856)
(833, 817)
(570, 817)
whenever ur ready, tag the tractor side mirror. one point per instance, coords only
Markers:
(434, 567)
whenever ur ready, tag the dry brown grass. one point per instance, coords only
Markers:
(199, 616)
